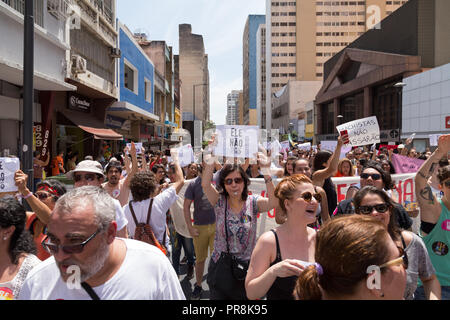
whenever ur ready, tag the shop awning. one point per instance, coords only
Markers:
(104, 134)
(129, 111)
(90, 124)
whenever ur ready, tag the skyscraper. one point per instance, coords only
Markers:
(233, 107)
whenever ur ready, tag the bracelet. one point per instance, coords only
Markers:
(27, 196)
(268, 180)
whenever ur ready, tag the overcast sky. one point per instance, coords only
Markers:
(220, 22)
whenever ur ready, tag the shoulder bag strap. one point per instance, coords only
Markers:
(90, 291)
(149, 211)
(225, 224)
(132, 213)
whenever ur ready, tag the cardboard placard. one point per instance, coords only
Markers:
(8, 167)
(362, 131)
(236, 141)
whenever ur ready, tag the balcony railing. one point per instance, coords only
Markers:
(19, 5)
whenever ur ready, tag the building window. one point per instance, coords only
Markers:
(148, 90)
(130, 77)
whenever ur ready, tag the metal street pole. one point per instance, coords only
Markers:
(28, 94)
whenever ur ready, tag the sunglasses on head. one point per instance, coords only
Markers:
(402, 260)
(42, 196)
(382, 208)
(307, 196)
(236, 180)
(375, 176)
(88, 177)
(68, 249)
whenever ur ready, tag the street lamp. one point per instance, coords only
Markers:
(399, 86)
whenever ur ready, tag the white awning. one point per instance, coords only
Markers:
(129, 111)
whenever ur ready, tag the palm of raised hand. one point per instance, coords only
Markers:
(444, 143)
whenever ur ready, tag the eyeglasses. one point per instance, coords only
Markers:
(402, 260)
(42, 196)
(382, 208)
(88, 177)
(307, 196)
(68, 249)
(236, 180)
(374, 176)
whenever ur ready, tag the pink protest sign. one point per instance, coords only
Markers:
(404, 164)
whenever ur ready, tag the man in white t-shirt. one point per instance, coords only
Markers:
(87, 255)
(90, 173)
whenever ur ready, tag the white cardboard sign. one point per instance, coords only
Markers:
(434, 139)
(328, 145)
(362, 131)
(8, 166)
(138, 146)
(304, 146)
(185, 155)
(236, 141)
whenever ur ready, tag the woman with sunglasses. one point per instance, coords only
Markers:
(346, 250)
(42, 202)
(374, 202)
(281, 254)
(373, 175)
(435, 214)
(16, 248)
(236, 216)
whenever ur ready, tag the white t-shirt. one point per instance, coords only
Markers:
(145, 274)
(161, 204)
(120, 215)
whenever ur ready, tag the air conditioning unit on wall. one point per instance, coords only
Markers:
(79, 64)
(58, 8)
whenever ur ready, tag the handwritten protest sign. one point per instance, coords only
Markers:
(8, 166)
(185, 155)
(236, 141)
(138, 146)
(434, 139)
(404, 164)
(304, 146)
(328, 145)
(362, 131)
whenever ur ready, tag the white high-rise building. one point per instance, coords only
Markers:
(233, 107)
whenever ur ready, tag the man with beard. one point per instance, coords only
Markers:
(87, 256)
(120, 188)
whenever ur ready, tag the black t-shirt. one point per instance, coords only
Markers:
(404, 221)
(330, 190)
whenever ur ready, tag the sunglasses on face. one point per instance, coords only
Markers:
(68, 249)
(42, 196)
(307, 196)
(236, 180)
(374, 176)
(88, 177)
(402, 260)
(382, 208)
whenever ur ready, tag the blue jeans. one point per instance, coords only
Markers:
(188, 245)
(419, 294)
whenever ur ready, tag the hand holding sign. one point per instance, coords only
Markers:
(444, 143)
(20, 179)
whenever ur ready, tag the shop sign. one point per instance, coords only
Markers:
(79, 103)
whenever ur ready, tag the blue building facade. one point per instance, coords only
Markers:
(135, 80)
(251, 31)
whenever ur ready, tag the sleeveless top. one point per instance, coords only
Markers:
(437, 243)
(282, 288)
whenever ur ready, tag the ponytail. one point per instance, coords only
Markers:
(307, 285)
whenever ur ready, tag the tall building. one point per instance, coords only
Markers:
(305, 34)
(233, 107)
(250, 67)
(261, 76)
(194, 74)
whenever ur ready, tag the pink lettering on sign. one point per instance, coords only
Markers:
(446, 225)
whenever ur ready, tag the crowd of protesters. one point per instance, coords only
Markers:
(321, 248)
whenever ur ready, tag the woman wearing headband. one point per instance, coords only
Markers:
(356, 259)
(42, 203)
(281, 254)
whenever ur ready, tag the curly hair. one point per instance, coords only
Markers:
(226, 170)
(143, 185)
(12, 213)
(443, 174)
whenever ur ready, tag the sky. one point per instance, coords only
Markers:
(220, 22)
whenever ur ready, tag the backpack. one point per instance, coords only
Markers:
(144, 231)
